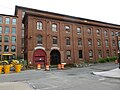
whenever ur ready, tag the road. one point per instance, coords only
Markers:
(69, 79)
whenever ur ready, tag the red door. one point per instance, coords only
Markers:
(39, 57)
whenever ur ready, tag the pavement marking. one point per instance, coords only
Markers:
(101, 79)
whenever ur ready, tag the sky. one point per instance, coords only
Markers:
(100, 10)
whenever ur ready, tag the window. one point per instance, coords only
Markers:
(98, 32)
(89, 31)
(113, 43)
(78, 30)
(54, 27)
(1, 20)
(112, 33)
(90, 54)
(0, 48)
(67, 28)
(68, 54)
(80, 54)
(0, 29)
(14, 21)
(39, 39)
(99, 53)
(22, 26)
(7, 30)
(0, 39)
(39, 26)
(79, 42)
(67, 41)
(13, 49)
(13, 39)
(6, 48)
(23, 14)
(54, 40)
(7, 20)
(105, 33)
(13, 30)
(99, 42)
(107, 53)
(90, 42)
(6, 39)
(106, 43)
(114, 52)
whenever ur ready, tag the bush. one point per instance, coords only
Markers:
(108, 59)
(101, 60)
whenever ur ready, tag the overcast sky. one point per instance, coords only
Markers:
(100, 10)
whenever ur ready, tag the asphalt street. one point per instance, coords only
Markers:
(69, 79)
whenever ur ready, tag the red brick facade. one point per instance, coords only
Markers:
(8, 35)
(96, 39)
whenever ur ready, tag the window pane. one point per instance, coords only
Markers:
(67, 28)
(99, 42)
(89, 31)
(98, 32)
(80, 54)
(68, 41)
(6, 39)
(90, 42)
(14, 21)
(0, 29)
(68, 54)
(105, 33)
(54, 40)
(39, 25)
(0, 19)
(7, 21)
(106, 43)
(13, 49)
(78, 30)
(99, 53)
(13, 39)
(90, 53)
(6, 48)
(79, 42)
(39, 39)
(54, 27)
(13, 30)
(7, 29)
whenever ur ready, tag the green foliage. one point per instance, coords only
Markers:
(108, 59)
(101, 60)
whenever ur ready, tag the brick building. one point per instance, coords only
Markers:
(51, 38)
(8, 34)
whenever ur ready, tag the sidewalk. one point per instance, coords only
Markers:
(14, 86)
(114, 73)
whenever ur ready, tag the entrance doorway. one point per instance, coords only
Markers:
(55, 57)
(39, 57)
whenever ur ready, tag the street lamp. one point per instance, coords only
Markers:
(117, 35)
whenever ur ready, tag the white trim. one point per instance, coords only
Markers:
(56, 48)
(39, 47)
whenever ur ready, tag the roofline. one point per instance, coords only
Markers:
(71, 20)
(47, 12)
(8, 15)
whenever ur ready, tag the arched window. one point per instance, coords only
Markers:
(67, 28)
(78, 30)
(90, 53)
(89, 31)
(98, 32)
(54, 27)
(39, 25)
(39, 39)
